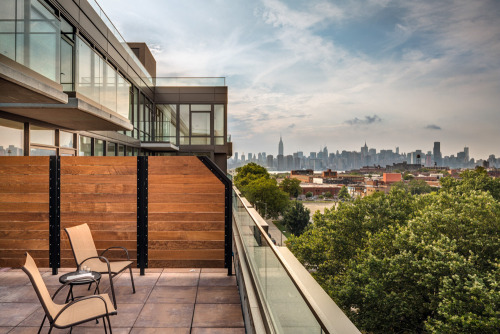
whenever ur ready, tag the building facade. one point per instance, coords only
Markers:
(71, 85)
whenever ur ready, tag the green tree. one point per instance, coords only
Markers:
(291, 186)
(309, 194)
(417, 187)
(296, 218)
(344, 194)
(249, 173)
(328, 194)
(266, 191)
(408, 176)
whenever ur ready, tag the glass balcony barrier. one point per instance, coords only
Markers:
(190, 81)
(146, 76)
(290, 305)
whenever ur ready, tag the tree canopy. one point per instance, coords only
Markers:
(296, 218)
(291, 187)
(405, 263)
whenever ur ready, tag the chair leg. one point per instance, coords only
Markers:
(112, 289)
(109, 324)
(41, 326)
(132, 278)
(104, 324)
(90, 284)
(50, 329)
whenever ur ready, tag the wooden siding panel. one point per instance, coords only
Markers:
(102, 192)
(24, 207)
(186, 214)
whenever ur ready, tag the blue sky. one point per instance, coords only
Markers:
(335, 73)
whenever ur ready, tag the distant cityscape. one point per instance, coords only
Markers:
(366, 157)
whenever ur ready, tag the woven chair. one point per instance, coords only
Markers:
(85, 252)
(73, 313)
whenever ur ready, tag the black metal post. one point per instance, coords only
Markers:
(228, 222)
(142, 213)
(54, 214)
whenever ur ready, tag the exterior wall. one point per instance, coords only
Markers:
(391, 177)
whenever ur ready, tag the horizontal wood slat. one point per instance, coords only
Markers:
(24, 210)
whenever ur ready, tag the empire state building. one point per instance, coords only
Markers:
(280, 147)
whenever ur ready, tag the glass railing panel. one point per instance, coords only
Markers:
(146, 76)
(285, 306)
(191, 81)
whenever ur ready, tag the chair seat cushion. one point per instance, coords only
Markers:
(84, 310)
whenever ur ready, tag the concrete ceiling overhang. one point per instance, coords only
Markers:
(19, 84)
(74, 115)
(160, 146)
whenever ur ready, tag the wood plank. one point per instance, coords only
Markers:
(98, 161)
(28, 179)
(24, 207)
(99, 170)
(186, 216)
(107, 198)
(102, 226)
(109, 235)
(196, 254)
(99, 179)
(154, 188)
(26, 161)
(20, 254)
(24, 234)
(174, 160)
(115, 255)
(98, 207)
(183, 179)
(39, 244)
(24, 216)
(83, 217)
(24, 225)
(130, 245)
(24, 197)
(180, 170)
(182, 235)
(185, 264)
(188, 207)
(23, 170)
(96, 188)
(19, 262)
(187, 198)
(17, 187)
(185, 226)
(184, 244)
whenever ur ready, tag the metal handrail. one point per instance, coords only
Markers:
(191, 81)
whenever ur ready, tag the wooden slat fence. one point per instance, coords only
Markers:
(24, 210)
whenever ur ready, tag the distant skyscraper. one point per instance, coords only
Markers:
(236, 156)
(466, 151)
(437, 153)
(280, 147)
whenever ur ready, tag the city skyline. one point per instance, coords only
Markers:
(336, 74)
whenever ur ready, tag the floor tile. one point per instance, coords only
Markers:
(216, 279)
(173, 295)
(181, 270)
(218, 295)
(160, 330)
(165, 315)
(214, 270)
(218, 315)
(18, 294)
(179, 279)
(125, 295)
(5, 330)
(11, 314)
(236, 330)
(145, 280)
(126, 317)
(14, 277)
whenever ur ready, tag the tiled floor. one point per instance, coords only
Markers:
(170, 301)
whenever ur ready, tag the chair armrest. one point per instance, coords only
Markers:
(117, 247)
(71, 281)
(79, 300)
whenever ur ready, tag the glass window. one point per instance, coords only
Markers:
(123, 97)
(11, 137)
(121, 150)
(130, 151)
(201, 123)
(66, 66)
(66, 139)
(184, 124)
(98, 147)
(85, 146)
(44, 136)
(109, 87)
(111, 149)
(36, 151)
(219, 124)
(201, 107)
(136, 113)
(200, 140)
